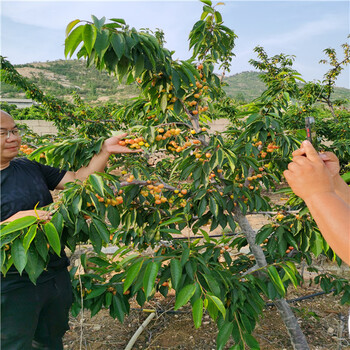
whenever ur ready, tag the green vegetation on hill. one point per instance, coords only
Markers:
(60, 78)
(244, 86)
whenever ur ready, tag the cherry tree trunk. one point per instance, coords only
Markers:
(297, 337)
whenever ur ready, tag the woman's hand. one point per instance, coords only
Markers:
(41, 214)
(112, 145)
(308, 174)
(330, 160)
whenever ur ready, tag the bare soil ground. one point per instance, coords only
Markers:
(322, 319)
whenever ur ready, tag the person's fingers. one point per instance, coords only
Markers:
(298, 152)
(325, 157)
(44, 215)
(300, 160)
(123, 149)
(329, 156)
(121, 136)
(288, 175)
(292, 167)
(310, 151)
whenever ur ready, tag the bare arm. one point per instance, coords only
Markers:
(332, 216)
(342, 189)
(311, 179)
(98, 162)
(42, 214)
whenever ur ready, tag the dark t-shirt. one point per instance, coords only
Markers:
(25, 184)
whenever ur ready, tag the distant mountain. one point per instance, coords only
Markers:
(244, 86)
(60, 78)
(247, 86)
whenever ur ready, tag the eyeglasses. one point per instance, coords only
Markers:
(7, 133)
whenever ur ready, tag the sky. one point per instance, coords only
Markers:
(34, 31)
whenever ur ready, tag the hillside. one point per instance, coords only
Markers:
(60, 78)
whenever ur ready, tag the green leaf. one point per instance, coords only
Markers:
(184, 257)
(131, 274)
(19, 255)
(101, 43)
(29, 236)
(35, 265)
(9, 238)
(99, 261)
(96, 292)
(205, 235)
(76, 204)
(317, 244)
(176, 272)
(128, 258)
(275, 279)
(164, 102)
(101, 229)
(223, 336)
(218, 303)
(251, 341)
(40, 243)
(2, 258)
(263, 234)
(98, 22)
(149, 277)
(246, 322)
(172, 221)
(214, 208)
(202, 206)
(139, 65)
(118, 20)
(89, 37)
(197, 312)
(213, 284)
(113, 216)
(231, 222)
(231, 162)
(71, 25)
(18, 225)
(73, 40)
(218, 17)
(184, 295)
(118, 44)
(290, 274)
(117, 308)
(108, 299)
(57, 221)
(52, 237)
(346, 177)
(95, 238)
(176, 80)
(97, 184)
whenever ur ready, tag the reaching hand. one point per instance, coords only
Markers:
(330, 160)
(307, 174)
(41, 214)
(112, 145)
